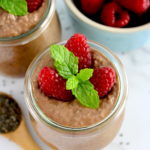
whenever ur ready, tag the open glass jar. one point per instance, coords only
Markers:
(95, 136)
(17, 52)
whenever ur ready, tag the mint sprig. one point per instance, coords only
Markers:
(15, 7)
(66, 63)
(85, 74)
(86, 94)
(72, 83)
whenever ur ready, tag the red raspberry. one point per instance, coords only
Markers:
(113, 15)
(137, 6)
(103, 80)
(53, 85)
(91, 6)
(33, 5)
(78, 45)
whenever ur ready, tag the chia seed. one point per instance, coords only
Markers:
(10, 114)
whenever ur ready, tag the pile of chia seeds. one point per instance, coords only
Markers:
(10, 114)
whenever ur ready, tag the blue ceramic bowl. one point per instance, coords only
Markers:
(117, 39)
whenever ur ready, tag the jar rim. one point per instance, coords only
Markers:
(39, 115)
(49, 11)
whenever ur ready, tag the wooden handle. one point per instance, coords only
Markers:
(22, 137)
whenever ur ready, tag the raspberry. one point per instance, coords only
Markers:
(53, 85)
(91, 6)
(113, 15)
(33, 5)
(137, 6)
(103, 80)
(78, 45)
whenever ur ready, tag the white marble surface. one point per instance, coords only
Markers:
(135, 132)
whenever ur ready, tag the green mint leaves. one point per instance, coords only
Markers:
(66, 63)
(85, 74)
(86, 94)
(15, 7)
(72, 83)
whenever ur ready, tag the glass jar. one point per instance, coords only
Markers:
(93, 137)
(17, 52)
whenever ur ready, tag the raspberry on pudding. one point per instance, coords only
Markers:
(103, 80)
(53, 85)
(78, 45)
(33, 5)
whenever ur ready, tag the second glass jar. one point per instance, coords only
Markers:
(16, 53)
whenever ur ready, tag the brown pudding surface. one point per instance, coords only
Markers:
(11, 25)
(73, 114)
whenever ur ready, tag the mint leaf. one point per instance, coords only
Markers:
(72, 83)
(15, 7)
(86, 94)
(85, 74)
(65, 61)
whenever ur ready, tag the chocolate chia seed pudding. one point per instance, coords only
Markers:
(22, 37)
(11, 25)
(69, 125)
(73, 114)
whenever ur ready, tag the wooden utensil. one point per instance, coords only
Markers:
(21, 135)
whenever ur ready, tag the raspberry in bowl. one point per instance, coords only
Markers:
(73, 101)
(24, 29)
(118, 24)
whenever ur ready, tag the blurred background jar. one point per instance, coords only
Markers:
(16, 52)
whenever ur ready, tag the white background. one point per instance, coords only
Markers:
(135, 132)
